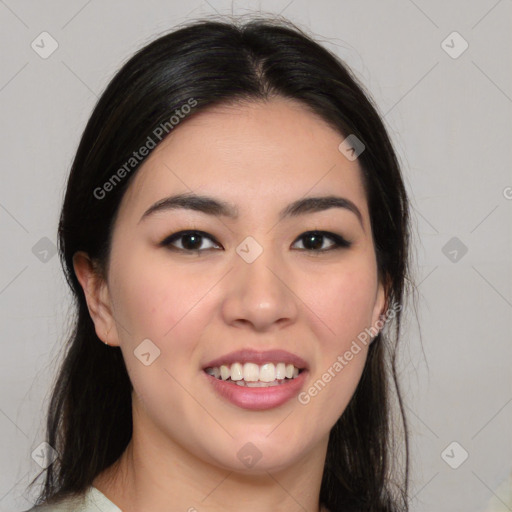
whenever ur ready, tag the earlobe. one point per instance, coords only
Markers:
(97, 297)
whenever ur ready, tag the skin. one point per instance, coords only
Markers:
(260, 156)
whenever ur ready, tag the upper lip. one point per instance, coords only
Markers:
(254, 356)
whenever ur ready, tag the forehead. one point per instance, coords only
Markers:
(256, 155)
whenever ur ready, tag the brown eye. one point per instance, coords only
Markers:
(191, 241)
(314, 240)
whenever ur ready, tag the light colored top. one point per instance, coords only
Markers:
(95, 501)
(92, 501)
(501, 500)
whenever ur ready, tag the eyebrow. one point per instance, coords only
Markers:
(216, 207)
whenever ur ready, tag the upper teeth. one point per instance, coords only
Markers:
(251, 372)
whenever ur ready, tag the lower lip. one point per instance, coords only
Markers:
(258, 399)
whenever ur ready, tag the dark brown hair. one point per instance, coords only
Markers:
(89, 418)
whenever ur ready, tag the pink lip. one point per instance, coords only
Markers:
(258, 398)
(252, 356)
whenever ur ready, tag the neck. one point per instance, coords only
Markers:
(156, 474)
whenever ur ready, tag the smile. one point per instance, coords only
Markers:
(257, 395)
(254, 375)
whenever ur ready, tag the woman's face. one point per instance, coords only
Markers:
(251, 282)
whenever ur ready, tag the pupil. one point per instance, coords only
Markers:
(318, 238)
(194, 245)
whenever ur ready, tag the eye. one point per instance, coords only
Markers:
(314, 240)
(191, 241)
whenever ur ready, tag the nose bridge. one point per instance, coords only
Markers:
(259, 292)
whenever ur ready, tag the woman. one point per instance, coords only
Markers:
(235, 233)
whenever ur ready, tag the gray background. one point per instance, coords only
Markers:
(450, 119)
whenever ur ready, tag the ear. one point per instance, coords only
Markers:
(97, 296)
(381, 306)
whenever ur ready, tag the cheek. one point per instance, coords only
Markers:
(159, 302)
(354, 300)
(156, 298)
(167, 304)
(344, 300)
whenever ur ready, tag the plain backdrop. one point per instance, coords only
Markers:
(440, 75)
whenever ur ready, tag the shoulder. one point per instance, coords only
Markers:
(91, 501)
(501, 500)
(66, 505)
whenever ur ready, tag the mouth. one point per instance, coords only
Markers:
(251, 368)
(253, 375)
(257, 381)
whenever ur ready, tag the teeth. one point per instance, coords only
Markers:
(237, 371)
(257, 384)
(253, 375)
(280, 371)
(268, 373)
(261, 384)
(224, 372)
(251, 372)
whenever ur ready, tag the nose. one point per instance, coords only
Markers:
(260, 294)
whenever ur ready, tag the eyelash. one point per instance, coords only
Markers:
(339, 241)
